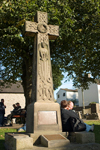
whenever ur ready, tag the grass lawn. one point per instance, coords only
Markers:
(96, 131)
(2, 136)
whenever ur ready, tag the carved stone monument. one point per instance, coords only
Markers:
(43, 123)
(43, 114)
(42, 74)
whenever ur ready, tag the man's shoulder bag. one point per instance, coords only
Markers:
(77, 124)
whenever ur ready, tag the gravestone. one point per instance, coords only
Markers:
(43, 114)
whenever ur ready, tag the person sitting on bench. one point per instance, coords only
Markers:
(67, 114)
(16, 111)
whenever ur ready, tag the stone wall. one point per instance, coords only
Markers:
(11, 99)
(80, 108)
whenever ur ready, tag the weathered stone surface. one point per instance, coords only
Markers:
(48, 125)
(23, 142)
(18, 141)
(35, 137)
(82, 137)
(90, 146)
(54, 140)
(71, 146)
(42, 85)
(42, 89)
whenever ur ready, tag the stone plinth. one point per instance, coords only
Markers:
(54, 140)
(37, 137)
(43, 118)
(21, 141)
(15, 141)
(82, 137)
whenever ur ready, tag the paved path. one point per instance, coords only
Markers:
(15, 126)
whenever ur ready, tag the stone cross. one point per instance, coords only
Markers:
(42, 73)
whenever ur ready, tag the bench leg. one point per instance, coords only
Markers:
(12, 122)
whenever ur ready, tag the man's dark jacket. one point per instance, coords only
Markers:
(65, 115)
(17, 110)
(2, 108)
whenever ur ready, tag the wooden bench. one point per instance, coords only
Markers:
(21, 117)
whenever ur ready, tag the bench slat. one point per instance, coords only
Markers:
(18, 116)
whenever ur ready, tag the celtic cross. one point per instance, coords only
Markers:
(42, 73)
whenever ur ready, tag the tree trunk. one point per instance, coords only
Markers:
(27, 79)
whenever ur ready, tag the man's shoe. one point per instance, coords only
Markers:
(92, 128)
(20, 130)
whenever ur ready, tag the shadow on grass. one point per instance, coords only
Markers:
(2, 144)
(97, 133)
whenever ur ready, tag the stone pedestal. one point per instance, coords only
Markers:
(21, 141)
(82, 137)
(43, 118)
(37, 137)
(14, 141)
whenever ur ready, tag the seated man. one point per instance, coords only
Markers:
(16, 111)
(67, 113)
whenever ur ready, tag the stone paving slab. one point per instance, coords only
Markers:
(90, 146)
(15, 126)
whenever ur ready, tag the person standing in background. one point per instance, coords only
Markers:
(2, 100)
(2, 112)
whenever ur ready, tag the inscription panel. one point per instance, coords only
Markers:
(47, 117)
(54, 137)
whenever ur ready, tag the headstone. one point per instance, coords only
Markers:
(95, 112)
(95, 108)
(43, 114)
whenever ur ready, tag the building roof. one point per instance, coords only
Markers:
(12, 88)
(70, 90)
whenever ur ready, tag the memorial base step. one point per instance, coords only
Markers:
(15, 141)
(54, 140)
(82, 137)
